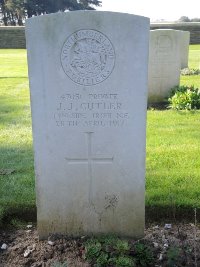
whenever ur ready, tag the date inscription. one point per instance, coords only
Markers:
(90, 110)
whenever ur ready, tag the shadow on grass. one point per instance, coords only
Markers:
(28, 214)
(158, 106)
(153, 214)
(17, 189)
(171, 214)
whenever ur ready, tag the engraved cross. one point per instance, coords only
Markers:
(90, 159)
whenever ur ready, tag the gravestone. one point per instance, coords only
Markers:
(88, 80)
(185, 42)
(164, 63)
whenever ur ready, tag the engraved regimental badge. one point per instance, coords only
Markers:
(88, 57)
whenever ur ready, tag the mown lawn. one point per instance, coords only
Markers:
(194, 56)
(16, 189)
(194, 63)
(173, 158)
(173, 150)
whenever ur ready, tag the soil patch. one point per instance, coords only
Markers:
(25, 250)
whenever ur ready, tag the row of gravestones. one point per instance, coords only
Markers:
(88, 74)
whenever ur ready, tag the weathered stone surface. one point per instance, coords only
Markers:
(164, 63)
(88, 79)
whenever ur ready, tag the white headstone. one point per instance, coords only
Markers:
(185, 42)
(164, 63)
(88, 80)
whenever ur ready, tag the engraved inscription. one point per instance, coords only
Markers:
(164, 45)
(91, 110)
(88, 57)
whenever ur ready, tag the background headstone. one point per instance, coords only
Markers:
(88, 78)
(184, 43)
(164, 63)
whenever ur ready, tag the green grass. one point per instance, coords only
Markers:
(173, 150)
(190, 80)
(17, 189)
(194, 57)
(194, 63)
(173, 158)
(13, 63)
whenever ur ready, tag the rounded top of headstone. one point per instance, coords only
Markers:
(85, 13)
